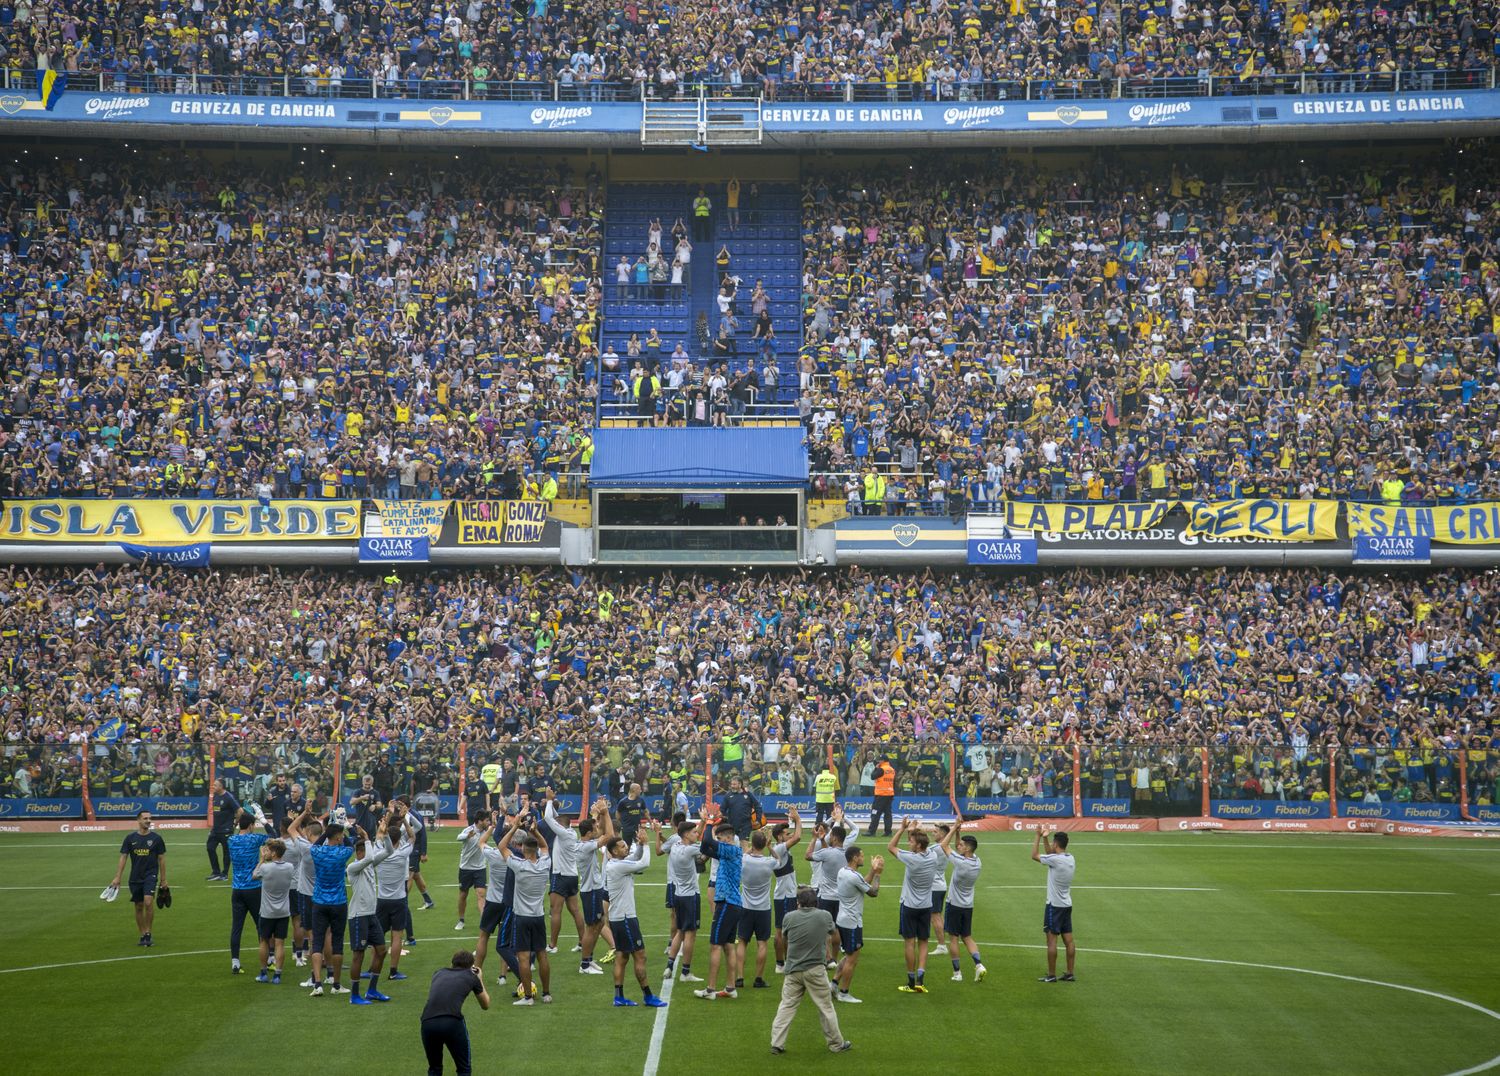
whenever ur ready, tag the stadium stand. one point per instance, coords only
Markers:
(546, 49)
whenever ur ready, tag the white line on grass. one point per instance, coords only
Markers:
(109, 960)
(658, 1029)
(1373, 892)
(1136, 888)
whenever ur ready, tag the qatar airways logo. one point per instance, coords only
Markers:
(552, 118)
(108, 108)
(1159, 113)
(972, 116)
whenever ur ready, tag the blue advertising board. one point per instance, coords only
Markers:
(1106, 808)
(48, 808)
(1036, 807)
(1484, 812)
(1412, 549)
(1402, 812)
(394, 550)
(776, 806)
(1267, 809)
(1014, 551)
(160, 806)
(622, 119)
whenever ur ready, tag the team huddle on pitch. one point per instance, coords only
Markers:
(314, 880)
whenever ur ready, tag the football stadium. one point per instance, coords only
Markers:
(750, 511)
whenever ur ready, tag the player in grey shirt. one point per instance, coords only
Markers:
(784, 893)
(757, 875)
(471, 865)
(392, 877)
(958, 917)
(364, 926)
(939, 884)
(531, 868)
(277, 877)
(566, 883)
(916, 900)
(682, 854)
(827, 857)
(853, 889)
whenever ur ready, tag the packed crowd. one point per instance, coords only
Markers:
(592, 50)
(529, 656)
(185, 327)
(1113, 331)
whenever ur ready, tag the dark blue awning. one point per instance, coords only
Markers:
(699, 458)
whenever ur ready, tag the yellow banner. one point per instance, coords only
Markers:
(170, 522)
(1456, 524)
(412, 519)
(501, 522)
(1275, 521)
(1078, 518)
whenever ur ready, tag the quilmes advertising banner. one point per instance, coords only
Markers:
(1255, 809)
(159, 806)
(178, 522)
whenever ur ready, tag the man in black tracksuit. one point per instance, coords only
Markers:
(225, 810)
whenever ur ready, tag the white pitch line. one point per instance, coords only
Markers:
(659, 1030)
(1372, 892)
(1134, 888)
(110, 960)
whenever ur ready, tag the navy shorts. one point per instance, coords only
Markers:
(565, 885)
(505, 937)
(1057, 920)
(671, 895)
(273, 927)
(831, 907)
(302, 906)
(851, 939)
(489, 919)
(146, 887)
(391, 914)
(958, 921)
(782, 906)
(689, 911)
(938, 896)
(627, 934)
(593, 905)
(364, 931)
(328, 923)
(916, 923)
(755, 924)
(531, 934)
(726, 923)
(470, 879)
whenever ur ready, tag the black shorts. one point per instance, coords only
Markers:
(531, 934)
(302, 906)
(565, 885)
(755, 924)
(782, 906)
(726, 923)
(391, 914)
(141, 890)
(593, 905)
(328, 923)
(831, 907)
(851, 939)
(958, 922)
(1057, 920)
(671, 895)
(916, 923)
(938, 897)
(489, 919)
(689, 912)
(471, 880)
(627, 934)
(364, 931)
(414, 863)
(273, 927)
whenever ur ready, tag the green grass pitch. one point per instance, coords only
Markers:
(1198, 953)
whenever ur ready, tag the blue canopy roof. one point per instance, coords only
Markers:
(699, 458)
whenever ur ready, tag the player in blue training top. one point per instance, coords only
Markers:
(330, 912)
(723, 936)
(244, 886)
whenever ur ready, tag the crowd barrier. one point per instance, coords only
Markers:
(1102, 788)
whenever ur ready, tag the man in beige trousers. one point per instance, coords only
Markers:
(806, 929)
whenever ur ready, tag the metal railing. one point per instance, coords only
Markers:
(775, 91)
